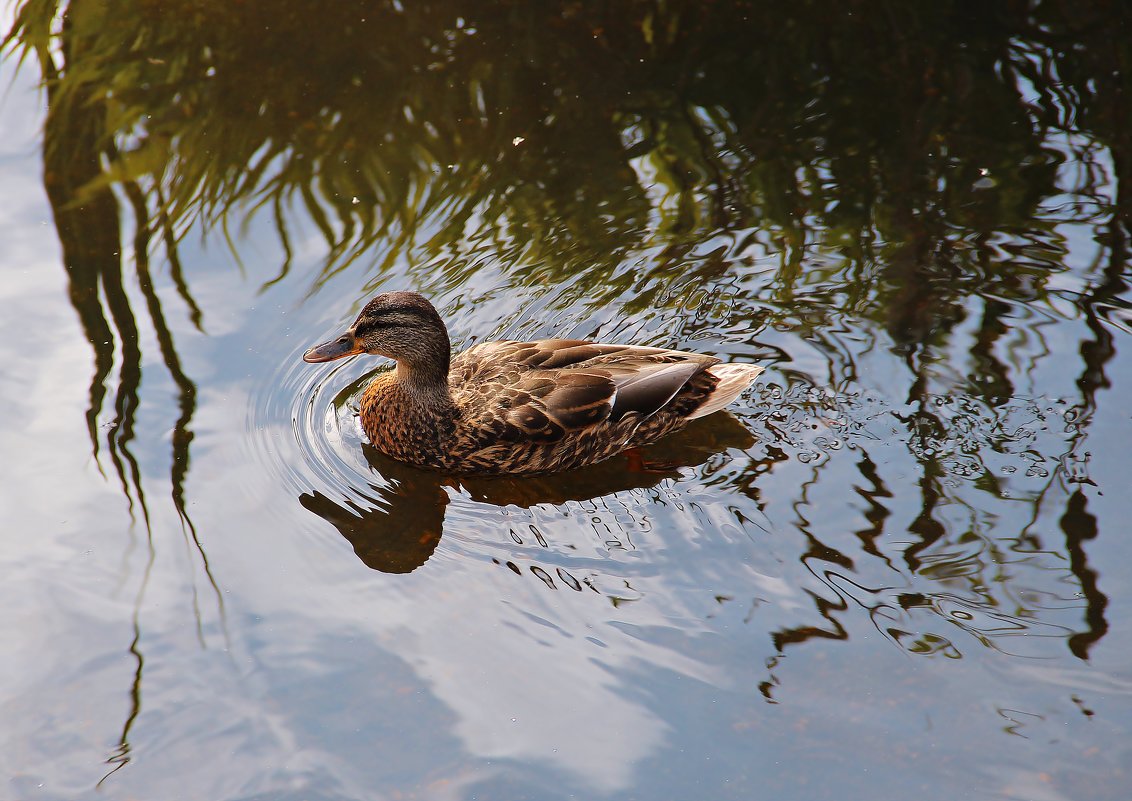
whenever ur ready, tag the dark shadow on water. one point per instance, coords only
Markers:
(398, 529)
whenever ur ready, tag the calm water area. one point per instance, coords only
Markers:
(900, 565)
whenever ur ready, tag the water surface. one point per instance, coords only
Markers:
(894, 569)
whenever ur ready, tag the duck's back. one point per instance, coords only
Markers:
(531, 407)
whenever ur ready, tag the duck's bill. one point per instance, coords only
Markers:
(340, 348)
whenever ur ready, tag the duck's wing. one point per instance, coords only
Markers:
(539, 391)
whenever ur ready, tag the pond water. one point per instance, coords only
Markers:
(897, 567)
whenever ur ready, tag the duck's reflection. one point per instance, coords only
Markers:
(396, 529)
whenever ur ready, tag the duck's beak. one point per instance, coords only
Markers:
(340, 348)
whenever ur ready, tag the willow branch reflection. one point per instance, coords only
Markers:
(915, 171)
(965, 567)
(1077, 524)
(87, 220)
(396, 530)
(563, 126)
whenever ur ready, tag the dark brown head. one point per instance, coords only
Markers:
(402, 326)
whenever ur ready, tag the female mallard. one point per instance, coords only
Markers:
(520, 407)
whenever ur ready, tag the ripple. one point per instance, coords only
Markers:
(306, 430)
(306, 437)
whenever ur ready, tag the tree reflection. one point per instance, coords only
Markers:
(87, 220)
(87, 215)
(554, 124)
(908, 170)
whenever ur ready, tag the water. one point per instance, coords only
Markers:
(894, 569)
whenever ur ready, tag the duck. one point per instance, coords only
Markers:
(512, 407)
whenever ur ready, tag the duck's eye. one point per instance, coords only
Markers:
(378, 324)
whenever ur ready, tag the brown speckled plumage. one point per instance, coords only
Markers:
(520, 407)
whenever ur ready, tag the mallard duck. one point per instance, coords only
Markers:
(510, 407)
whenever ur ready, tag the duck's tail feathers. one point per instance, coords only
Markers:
(733, 379)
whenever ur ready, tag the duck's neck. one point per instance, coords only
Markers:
(422, 368)
(425, 386)
(410, 416)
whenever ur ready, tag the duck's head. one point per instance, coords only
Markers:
(402, 326)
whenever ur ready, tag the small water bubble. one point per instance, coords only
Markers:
(985, 181)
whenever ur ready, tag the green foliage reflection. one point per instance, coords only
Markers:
(912, 165)
(602, 126)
